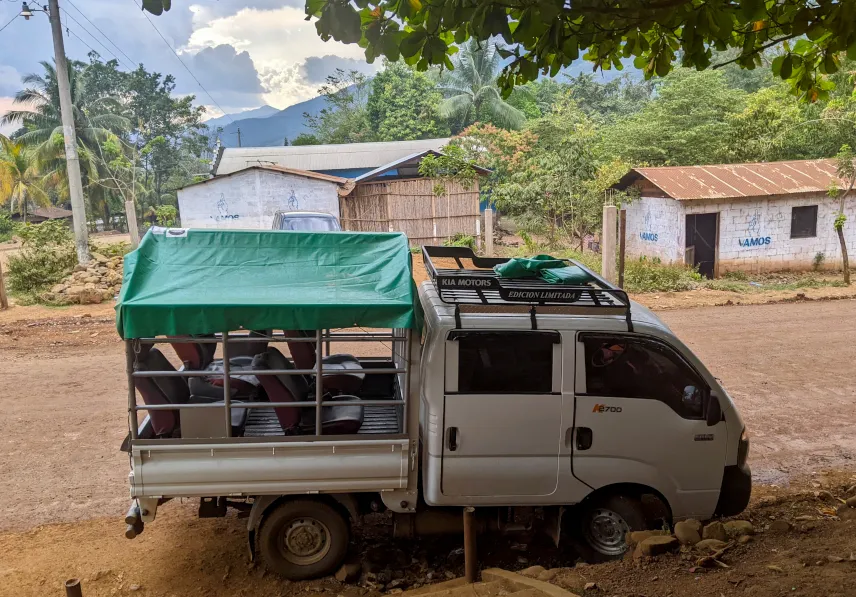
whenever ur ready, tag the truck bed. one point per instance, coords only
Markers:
(262, 422)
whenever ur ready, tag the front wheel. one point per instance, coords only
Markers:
(303, 539)
(605, 524)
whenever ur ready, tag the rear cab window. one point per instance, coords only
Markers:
(503, 362)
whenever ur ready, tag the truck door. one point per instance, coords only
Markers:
(640, 418)
(503, 406)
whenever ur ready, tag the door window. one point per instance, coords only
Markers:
(627, 367)
(505, 362)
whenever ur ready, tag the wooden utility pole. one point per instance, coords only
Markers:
(607, 243)
(72, 161)
(488, 232)
(4, 302)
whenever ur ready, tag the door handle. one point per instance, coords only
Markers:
(584, 438)
(453, 439)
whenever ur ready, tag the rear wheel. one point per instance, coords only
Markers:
(303, 539)
(605, 524)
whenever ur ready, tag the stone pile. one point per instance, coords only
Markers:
(100, 280)
(710, 540)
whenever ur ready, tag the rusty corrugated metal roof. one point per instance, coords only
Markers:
(731, 181)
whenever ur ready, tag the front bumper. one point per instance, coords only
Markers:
(735, 491)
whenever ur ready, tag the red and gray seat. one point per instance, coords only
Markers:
(335, 420)
(343, 372)
(172, 390)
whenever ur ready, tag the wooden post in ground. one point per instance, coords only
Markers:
(607, 243)
(488, 232)
(131, 216)
(72, 588)
(622, 241)
(471, 563)
(4, 302)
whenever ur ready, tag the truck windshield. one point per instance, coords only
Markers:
(310, 223)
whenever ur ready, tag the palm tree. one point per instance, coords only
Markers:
(19, 177)
(471, 92)
(96, 119)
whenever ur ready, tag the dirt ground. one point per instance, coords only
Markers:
(788, 366)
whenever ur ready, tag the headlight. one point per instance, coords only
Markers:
(743, 448)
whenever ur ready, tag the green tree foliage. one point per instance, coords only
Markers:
(402, 105)
(344, 119)
(686, 124)
(547, 35)
(606, 102)
(305, 139)
(20, 181)
(135, 140)
(557, 183)
(471, 92)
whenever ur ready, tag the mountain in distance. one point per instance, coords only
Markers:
(262, 112)
(270, 131)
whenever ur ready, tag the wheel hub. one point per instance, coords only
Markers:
(606, 532)
(305, 541)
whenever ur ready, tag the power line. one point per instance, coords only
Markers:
(187, 68)
(70, 31)
(89, 33)
(130, 60)
(10, 22)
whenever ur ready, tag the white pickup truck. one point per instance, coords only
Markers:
(564, 407)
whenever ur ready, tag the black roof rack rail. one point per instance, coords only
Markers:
(481, 290)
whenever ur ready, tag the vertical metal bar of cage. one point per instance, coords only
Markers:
(327, 344)
(408, 335)
(132, 391)
(319, 384)
(227, 385)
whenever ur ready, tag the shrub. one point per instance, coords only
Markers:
(737, 276)
(461, 240)
(6, 226)
(112, 250)
(47, 255)
(166, 215)
(651, 275)
(818, 260)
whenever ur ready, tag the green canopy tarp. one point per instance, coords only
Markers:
(205, 281)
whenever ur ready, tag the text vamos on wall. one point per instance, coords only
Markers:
(649, 236)
(758, 241)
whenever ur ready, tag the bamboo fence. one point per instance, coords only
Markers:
(411, 206)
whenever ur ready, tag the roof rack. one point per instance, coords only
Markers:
(481, 290)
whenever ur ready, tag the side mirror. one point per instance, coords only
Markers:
(714, 411)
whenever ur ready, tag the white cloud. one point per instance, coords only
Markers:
(5, 106)
(278, 41)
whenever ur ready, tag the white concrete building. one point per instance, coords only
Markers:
(250, 197)
(750, 217)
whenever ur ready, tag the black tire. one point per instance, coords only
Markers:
(303, 539)
(604, 524)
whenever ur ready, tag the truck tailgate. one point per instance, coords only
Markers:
(256, 468)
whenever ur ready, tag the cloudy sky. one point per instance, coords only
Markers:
(246, 53)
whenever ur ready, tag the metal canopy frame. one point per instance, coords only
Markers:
(481, 290)
(322, 339)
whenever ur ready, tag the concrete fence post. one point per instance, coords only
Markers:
(131, 216)
(488, 232)
(607, 243)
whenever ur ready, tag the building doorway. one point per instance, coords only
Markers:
(702, 242)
